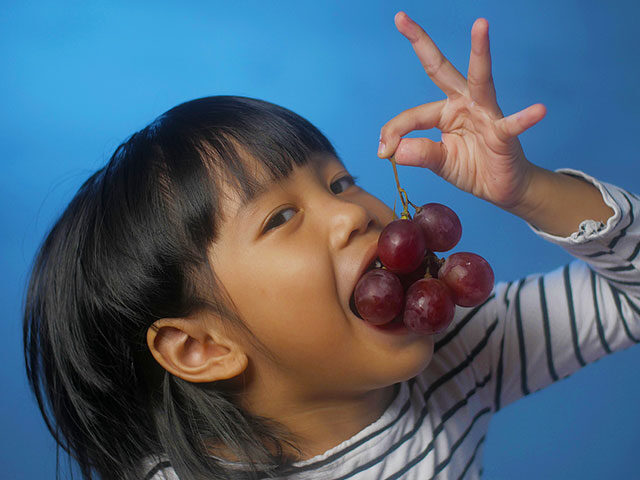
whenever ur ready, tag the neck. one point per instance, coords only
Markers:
(320, 424)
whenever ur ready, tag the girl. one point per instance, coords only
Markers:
(188, 316)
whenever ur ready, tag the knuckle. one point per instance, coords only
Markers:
(478, 80)
(473, 80)
(389, 131)
(425, 153)
(433, 65)
(402, 152)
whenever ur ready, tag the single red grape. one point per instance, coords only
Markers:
(441, 226)
(428, 306)
(401, 246)
(469, 276)
(379, 296)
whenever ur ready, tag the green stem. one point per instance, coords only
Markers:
(404, 198)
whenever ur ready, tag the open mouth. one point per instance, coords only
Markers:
(352, 301)
(393, 324)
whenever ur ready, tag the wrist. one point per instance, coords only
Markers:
(558, 203)
(532, 201)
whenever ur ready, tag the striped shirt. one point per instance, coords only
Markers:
(527, 335)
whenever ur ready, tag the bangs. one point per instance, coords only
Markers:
(245, 143)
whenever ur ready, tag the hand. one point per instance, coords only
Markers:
(479, 151)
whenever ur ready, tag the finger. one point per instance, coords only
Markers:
(421, 152)
(439, 69)
(479, 79)
(515, 124)
(422, 117)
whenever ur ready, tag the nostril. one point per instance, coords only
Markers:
(353, 234)
(361, 231)
(349, 220)
(364, 229)
(369, 225)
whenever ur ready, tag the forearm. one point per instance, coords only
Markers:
(582, 311)
(557, 203)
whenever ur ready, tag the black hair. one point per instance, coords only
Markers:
(131, 248)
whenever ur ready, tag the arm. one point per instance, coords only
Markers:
(553, 324)
(544, 327)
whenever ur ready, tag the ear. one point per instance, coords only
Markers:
(194, 350)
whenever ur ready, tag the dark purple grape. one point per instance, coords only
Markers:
(428, 307)
(469, 276)
(401, 246)
(408, 279)
(379, 296)
(440, 225)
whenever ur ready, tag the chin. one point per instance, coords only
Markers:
(410, 362)
(415, 369)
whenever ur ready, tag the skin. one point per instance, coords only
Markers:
(331, 372)
(479, 151)
(324, 373)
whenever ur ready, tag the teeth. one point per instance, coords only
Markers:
(375, 264)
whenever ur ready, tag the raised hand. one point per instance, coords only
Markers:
(479, 151)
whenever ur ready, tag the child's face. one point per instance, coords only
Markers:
(290, 261)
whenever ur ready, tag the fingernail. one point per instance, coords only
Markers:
(380, 148)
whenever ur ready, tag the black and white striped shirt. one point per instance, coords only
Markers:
(527, 335)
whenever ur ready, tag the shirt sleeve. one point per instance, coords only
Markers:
(544, 327)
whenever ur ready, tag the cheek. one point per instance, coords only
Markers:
(287, 298)
(383, 213)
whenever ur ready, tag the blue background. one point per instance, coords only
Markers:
(78, 77)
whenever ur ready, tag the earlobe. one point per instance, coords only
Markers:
(195, 351)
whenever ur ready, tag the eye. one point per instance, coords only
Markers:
(280, 217)
(341, 184)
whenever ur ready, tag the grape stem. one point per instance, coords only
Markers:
(433, 265)
(433, 262)
(404, 198)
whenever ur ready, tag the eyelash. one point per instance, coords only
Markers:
(273, 223)
(350, 178)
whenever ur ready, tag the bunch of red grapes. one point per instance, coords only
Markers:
(414, 286)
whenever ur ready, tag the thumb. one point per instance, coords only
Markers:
(420, 152)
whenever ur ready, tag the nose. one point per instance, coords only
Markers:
(347, 221)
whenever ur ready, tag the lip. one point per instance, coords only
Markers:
(394, 327)
(371, 253)
(367, 260)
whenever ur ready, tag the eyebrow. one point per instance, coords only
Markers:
(250, 196)
(248, 202)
